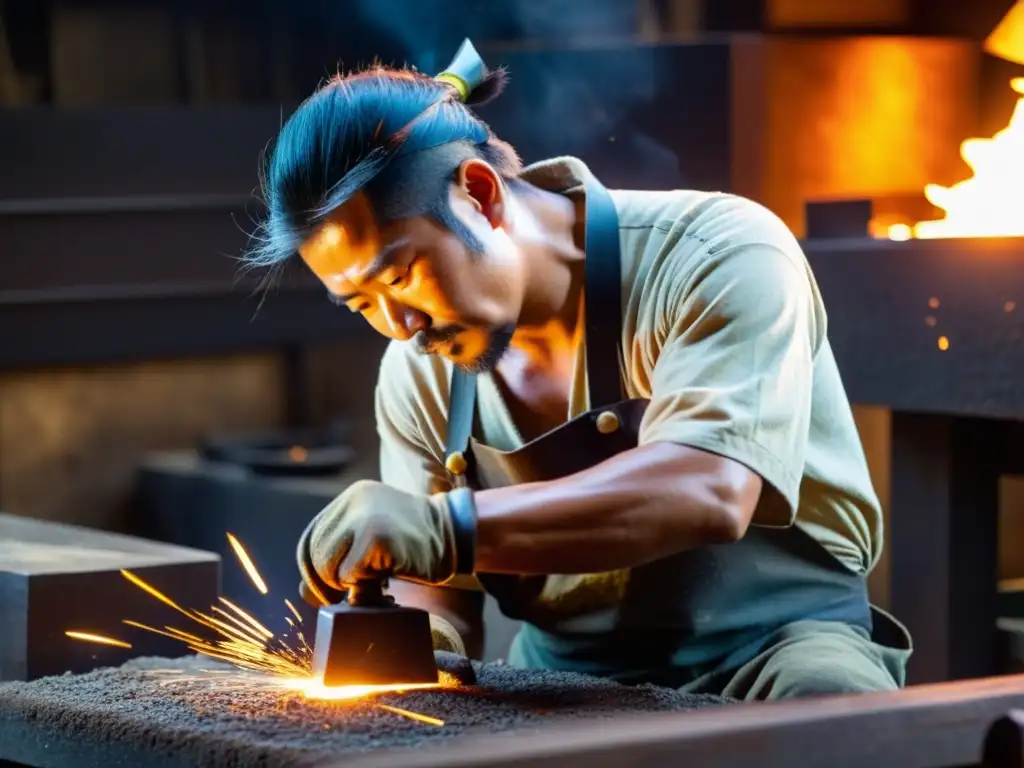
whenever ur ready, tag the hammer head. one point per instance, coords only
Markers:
(380, 644)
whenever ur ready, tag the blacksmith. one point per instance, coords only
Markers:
(617, 411)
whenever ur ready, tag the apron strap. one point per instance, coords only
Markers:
(461, 410)
(603, 275)
(603, 322)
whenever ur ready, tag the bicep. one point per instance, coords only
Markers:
(734, 371)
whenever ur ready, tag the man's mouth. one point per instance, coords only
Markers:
(438, 342)
(444, 342)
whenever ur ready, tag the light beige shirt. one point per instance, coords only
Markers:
(724, 331)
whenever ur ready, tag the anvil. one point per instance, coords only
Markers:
(367, 639)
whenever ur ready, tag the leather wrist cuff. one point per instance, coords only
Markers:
(462, 511)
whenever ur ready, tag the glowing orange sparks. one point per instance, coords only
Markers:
(89, 637)
(244, 643)
(247, 644)
(152, 591)
(295, 613)
(247, 564)
(313, 688)
(413, 715)
(248, 619)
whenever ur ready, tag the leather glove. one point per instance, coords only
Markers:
(373, 531)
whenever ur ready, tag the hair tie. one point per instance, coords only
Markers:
(466, 72)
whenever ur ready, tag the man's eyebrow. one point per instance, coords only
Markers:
(384, 259)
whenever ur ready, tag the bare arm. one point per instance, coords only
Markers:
(639, 506)
(722, 443)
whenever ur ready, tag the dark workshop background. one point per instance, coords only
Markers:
(72, 433)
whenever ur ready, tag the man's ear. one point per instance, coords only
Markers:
(482, 186)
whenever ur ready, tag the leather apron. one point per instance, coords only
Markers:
(673, 619)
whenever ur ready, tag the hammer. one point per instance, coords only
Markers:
(362, 636)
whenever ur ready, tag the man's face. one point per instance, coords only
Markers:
(414, 279)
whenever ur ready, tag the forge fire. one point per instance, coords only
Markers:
(988, 203)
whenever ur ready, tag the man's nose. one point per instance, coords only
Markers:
(404, 322)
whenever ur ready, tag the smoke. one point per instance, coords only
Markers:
(430, 30)
(579, 83)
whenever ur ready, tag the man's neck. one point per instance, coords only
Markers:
(550, 230)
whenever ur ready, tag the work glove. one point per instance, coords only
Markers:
(373, 531)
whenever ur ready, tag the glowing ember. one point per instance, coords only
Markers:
(988, 203)
(312, 688)
(243, 558)
(89, 637)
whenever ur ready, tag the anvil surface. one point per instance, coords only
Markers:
(198, 713)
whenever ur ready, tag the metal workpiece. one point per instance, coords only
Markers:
(370, 640)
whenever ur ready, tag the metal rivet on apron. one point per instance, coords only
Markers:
(607, 422)
(456, 463)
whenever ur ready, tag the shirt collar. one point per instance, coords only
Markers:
(564, 175)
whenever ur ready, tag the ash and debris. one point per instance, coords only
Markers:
(196, 712)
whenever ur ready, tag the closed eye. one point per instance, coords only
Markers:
(401, 279)
(346, 302)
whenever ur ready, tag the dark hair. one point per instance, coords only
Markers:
(397, 134)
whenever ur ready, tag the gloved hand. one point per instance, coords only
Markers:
(374, 531)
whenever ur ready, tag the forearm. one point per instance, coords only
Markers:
(639, 506)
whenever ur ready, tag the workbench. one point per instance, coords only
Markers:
(196, 713)
(162, 713)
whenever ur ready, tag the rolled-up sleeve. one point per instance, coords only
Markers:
(734, 366)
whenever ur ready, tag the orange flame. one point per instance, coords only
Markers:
(988, 203)
(313, 688)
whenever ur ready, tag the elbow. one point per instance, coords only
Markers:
(727, 523)
(729, 508)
